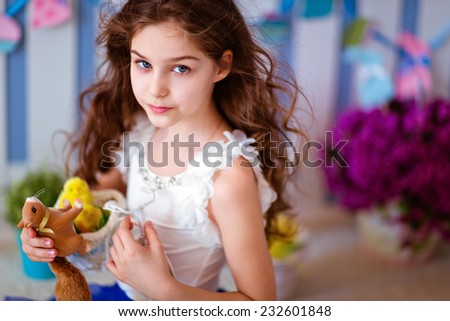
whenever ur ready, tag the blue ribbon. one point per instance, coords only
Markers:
(16, 7)
(409, 62)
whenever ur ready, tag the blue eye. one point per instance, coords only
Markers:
(181, 69)
(144, 64)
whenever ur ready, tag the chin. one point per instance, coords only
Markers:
(159, 121)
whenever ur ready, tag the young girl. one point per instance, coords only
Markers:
(203, 84)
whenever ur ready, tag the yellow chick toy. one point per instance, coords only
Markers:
(282, 246)
(90, 219)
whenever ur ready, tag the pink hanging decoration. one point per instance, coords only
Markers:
(414, 78)
(50, 13)
(10, 34)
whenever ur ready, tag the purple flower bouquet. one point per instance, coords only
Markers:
(397, 153)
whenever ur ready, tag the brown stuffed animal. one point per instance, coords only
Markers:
(57, 224)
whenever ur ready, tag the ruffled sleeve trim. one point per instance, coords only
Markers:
(199, 182)
(249, 152)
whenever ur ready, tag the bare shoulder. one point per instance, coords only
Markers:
(236, 179)
(235, 191)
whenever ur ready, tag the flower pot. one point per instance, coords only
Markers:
(34, 270)
(287, 279)
(288, 274)
(391, 241)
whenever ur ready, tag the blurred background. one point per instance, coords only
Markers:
(375, 71)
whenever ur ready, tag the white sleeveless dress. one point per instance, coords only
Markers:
(177, 205)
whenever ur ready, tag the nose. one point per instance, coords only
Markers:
(157, 85)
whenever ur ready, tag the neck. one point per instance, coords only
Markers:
(203, 128)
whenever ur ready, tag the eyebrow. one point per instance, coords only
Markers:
(173, 59)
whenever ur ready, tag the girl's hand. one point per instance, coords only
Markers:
(144, 268)
(37, 248)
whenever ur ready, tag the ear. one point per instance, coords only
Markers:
(225, 64)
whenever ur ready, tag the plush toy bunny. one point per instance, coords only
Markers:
(57, 224)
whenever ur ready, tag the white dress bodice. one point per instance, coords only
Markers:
(177, 206)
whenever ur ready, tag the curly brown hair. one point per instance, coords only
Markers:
(255, 97)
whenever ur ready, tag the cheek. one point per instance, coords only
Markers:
(195, 89)
(182, 89)
(137, 86)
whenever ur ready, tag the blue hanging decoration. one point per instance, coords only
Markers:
(286, 6)
(10, 29)
(315, 8)
(373, 83)
(276, 27)
(16, 7)
(413, 78)
(374, 86)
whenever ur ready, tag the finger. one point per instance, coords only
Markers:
(40, 255)
(111, 266)
(79, 204)
(152, 237)
(113, 254)
(125, 234)
(117, 242)
(41, 259)
(66, 205)
(38, 242)
(31, 232)
(126, 223)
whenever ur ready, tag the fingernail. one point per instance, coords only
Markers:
(47, 243)
(52, 253)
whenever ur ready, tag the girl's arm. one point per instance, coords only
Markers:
(237, 211)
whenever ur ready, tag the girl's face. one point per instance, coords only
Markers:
(171, 79)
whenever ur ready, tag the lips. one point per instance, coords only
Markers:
(159, 109)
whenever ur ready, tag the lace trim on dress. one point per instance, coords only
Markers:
(158, 182)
